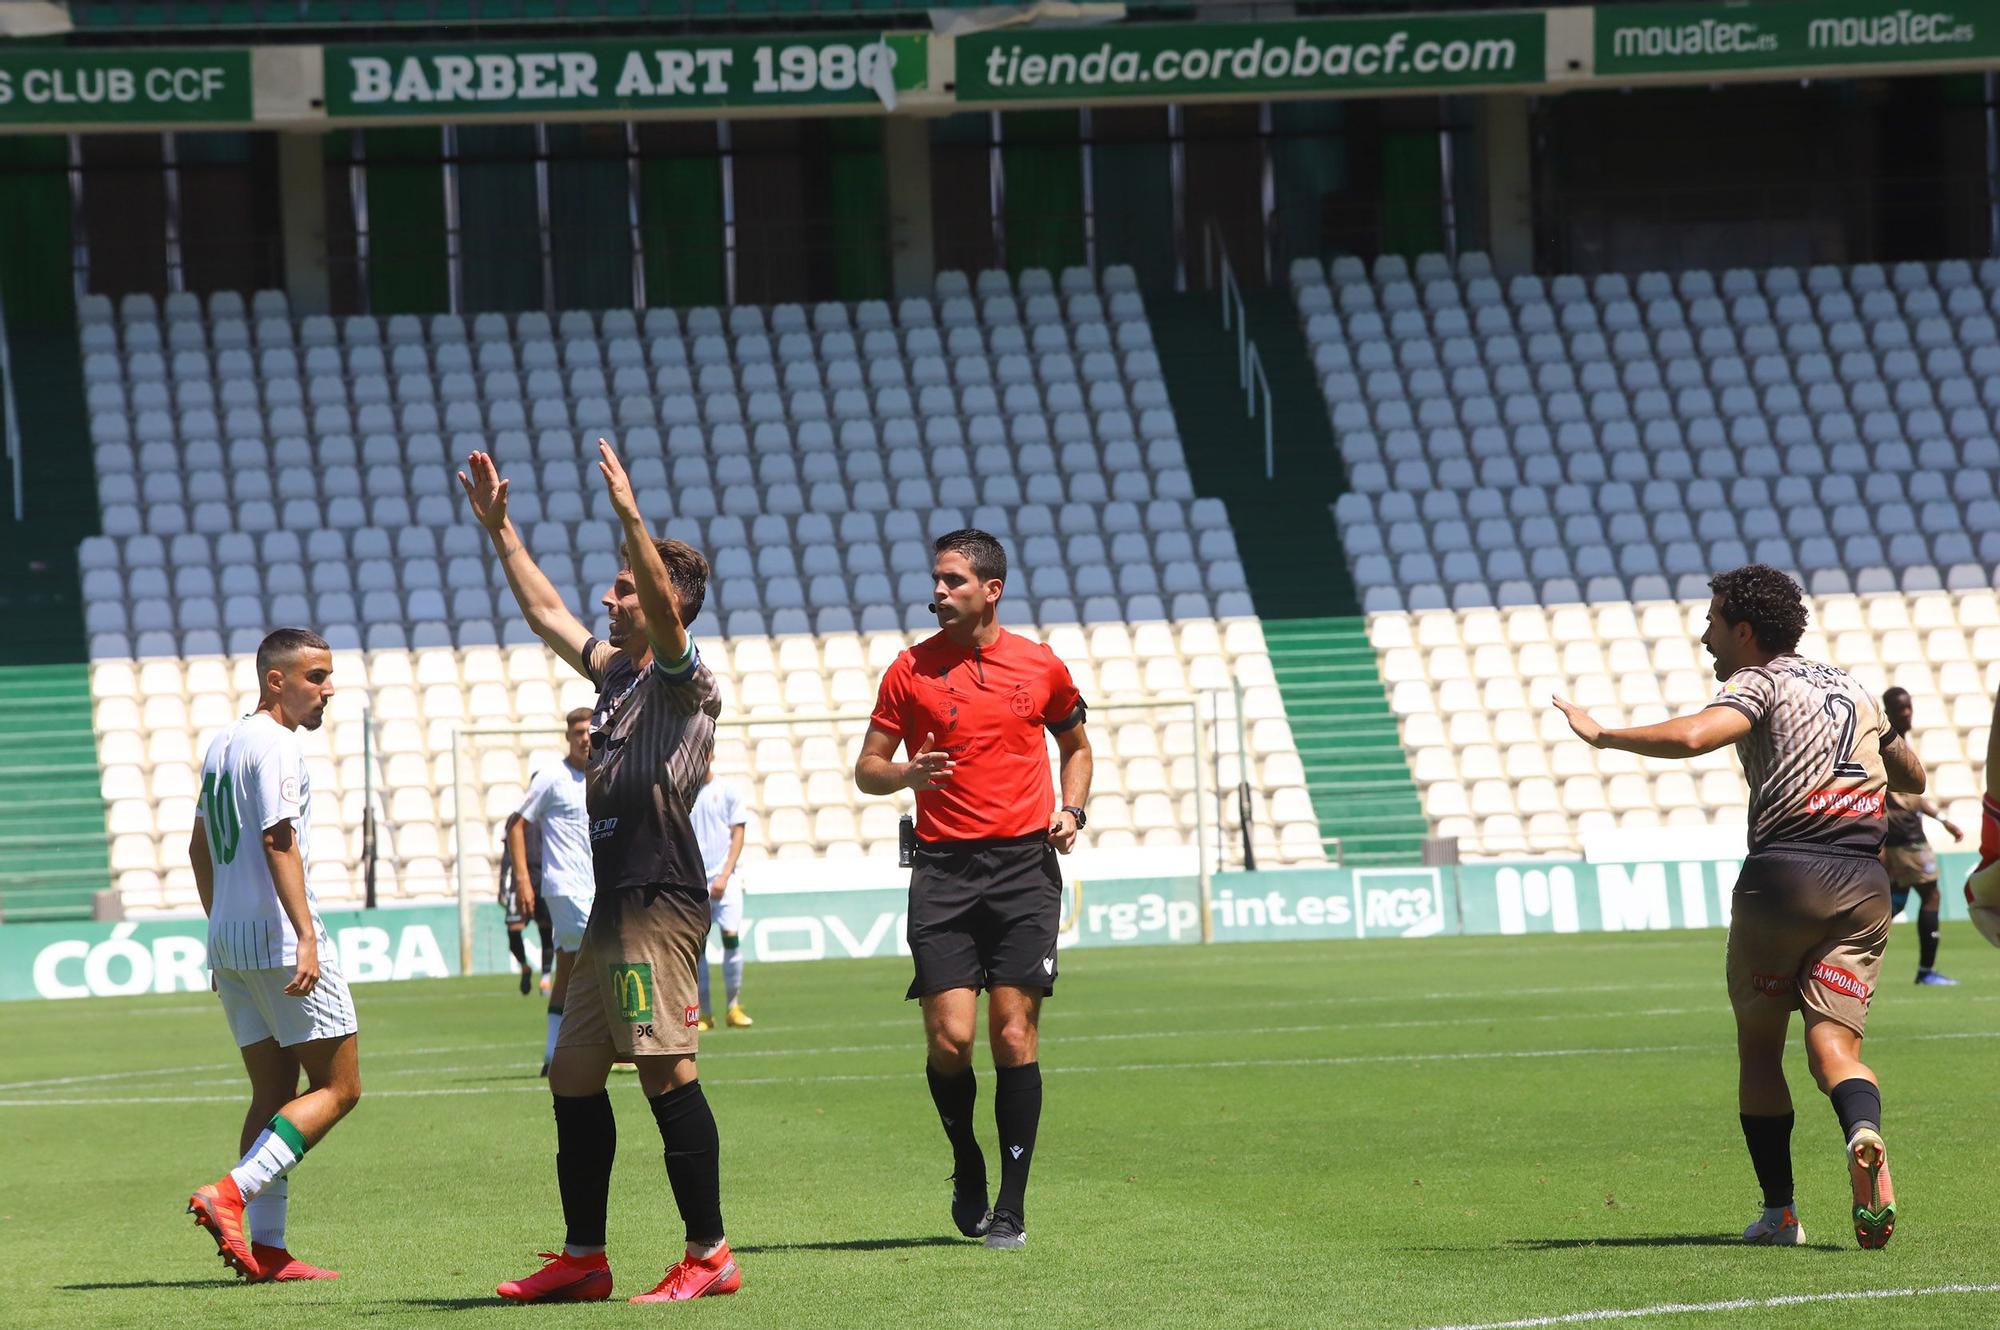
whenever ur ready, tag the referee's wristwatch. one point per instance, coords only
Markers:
(1076, 813)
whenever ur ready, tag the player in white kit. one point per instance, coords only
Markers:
(554, 804)
(718, 818)
(274, 964)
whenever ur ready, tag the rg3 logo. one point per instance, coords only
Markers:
(691, 1017)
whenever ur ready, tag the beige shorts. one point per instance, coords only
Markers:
(1807, 930)
(1909, 865)
(632, 985)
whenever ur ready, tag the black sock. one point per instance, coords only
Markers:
(1017, 1108)
(548, 945)
(694, 1159)
(518, 947)
(1927, 939)
(586, 1142)
(955, 1096)
(1857, 1103)
(1769, 1137)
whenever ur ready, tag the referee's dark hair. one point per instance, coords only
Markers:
(986, 554)
(281, 644)
(686, 569)
(1766, 599)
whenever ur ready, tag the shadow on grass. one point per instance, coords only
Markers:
(1638, 1240)
(149, 1283)
(1646, 1240)
(858, 1244)
(389, 1306)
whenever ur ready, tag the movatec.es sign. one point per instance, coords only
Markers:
(1680, 39)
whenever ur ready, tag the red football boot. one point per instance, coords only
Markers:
(218, 1208)
(565, 1278)
(281, 1267)
(710, 1278)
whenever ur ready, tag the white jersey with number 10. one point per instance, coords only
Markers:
(253, 777)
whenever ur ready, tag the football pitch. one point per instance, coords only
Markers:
(1453, 1131)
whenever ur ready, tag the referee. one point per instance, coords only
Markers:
(969, 705)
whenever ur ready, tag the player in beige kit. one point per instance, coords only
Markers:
(1810, 913)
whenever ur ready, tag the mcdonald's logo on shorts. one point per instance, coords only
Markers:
(633, 985)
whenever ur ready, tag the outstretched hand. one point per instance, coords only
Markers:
(486, 490)
(1579, 720)
(616, 483)
(928, 767)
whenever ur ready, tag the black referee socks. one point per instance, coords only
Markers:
(955, 1095)
(694, 1159)
(586, 1142)
(1017, 1108)
(1857, 1103)
(1769, 1137)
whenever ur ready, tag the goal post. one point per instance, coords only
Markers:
(845, 728)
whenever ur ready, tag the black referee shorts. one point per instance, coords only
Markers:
(985, 913)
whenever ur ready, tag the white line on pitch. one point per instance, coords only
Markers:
(1726, 1305)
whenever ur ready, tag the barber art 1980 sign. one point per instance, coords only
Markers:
(629, 75)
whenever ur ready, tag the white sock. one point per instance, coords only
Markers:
(575, 1249)
(549, 1048)
(701, 980)
(278, 1148)
(701, 1251)
(265, 1215)
(732, 973)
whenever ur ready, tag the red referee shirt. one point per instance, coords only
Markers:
(988, 707)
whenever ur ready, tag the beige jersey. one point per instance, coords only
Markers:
(1905, 820)
(1813, 756)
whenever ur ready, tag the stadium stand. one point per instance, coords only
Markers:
(1544, 475)
(256, 470)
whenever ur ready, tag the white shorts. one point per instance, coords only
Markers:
(568, 917)
(259, 1008)
(726, 914)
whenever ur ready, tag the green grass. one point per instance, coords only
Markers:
(1350, 1134)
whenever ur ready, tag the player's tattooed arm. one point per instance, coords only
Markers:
(1993, 752)
(542, 607)
(657, 595)
(1905, 770)
(1686, 736)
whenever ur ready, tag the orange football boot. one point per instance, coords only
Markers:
(281, 1267)
(218, 1208)
(1874, 1197)
(710, 1278)
(565, 1278)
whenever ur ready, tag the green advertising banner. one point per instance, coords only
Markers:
(664, 74)
(1683, 39)
(171, 955)
(1507, 899)
(1312, 56)
(57, 86)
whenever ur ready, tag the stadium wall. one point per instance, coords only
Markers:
(1504, 899)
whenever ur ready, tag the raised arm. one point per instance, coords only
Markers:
(541, 604)
(1687, 736)
(657, 595)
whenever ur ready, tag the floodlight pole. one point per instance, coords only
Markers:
(1203, 878)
